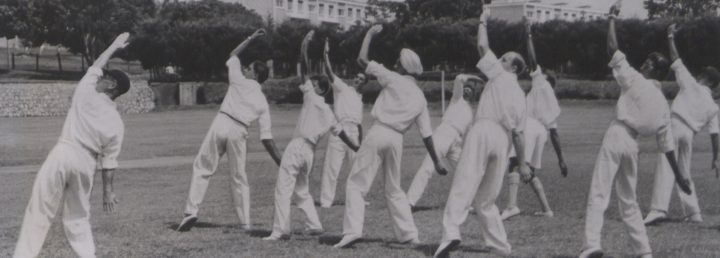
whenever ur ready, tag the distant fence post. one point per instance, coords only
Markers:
(442, 89)
(12, 67)
(37, 62)
(59, 62)
(82, 63)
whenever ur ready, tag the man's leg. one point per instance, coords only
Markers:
(76, 212)
(420, 181)
(629, 209)
(662, 190)
(212, 148)
(304, 200)
(292, 162)
(511, 208)
(606, 166)
(334, 156)
(47, 193)
(239, 187)
(403, 223)
(690, 205)
(493, 231)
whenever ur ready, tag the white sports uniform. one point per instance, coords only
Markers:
(243, 104)
(542, 110)
(93, 131)
(641, 110)
(447, 137)
(692, 109)
(348, 109)
(400, 104)
(315, 120)
(483, 161)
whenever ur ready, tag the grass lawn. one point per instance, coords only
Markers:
(152, 200)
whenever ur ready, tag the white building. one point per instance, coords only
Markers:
(545, 10)
(344, 13)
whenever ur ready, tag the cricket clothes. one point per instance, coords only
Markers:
(92, 133)
(692, 109)
(400, 104)
(641, 110)
(535, 138)
(447, 137)
(483, 161)
(315, 119)
(243, 104)
(348, 108)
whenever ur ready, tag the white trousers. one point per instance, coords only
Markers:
(337, 152)
(479, 176)
(664, 177)
(381, 150)
(66, 179)
(294, 177)
(225, 136)
(448, 145)
(535, 138)
(618, 156)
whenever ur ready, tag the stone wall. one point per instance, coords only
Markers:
(42, 98)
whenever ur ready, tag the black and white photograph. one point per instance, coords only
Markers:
(359, 128)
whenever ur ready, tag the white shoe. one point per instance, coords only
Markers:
(274, 237)
(187, 223)
(695, 218)
(347, 241)
(445, 248)
(507, 213)
(591, 253)
(654, 216)
(548, 214)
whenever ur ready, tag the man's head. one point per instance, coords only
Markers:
(655, 67)
(115, 83)
(513, 62)
(257, 71)
(468, 92)
(709, 76)
(408, 63)
(321, 84)
(551, 78)
(359, 81)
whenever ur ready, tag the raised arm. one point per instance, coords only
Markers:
(328, 65)
(674, 55)
(532, 60)
(555, 139)
(121, 41)
(363, 58)
(240, 48)
(304, 59)
(612, 44)
(483, 45)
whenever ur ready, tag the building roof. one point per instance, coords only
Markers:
(578, 4)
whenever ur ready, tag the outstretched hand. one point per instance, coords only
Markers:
(121, 41)
(684, 185)
(441, 167)
(615, 8)
(563, 169)
(109, 201)
(525, 173)
(327, 46)
(716, 167)
(375, 29)
(672, 29)
(528, 24)
(259, 32)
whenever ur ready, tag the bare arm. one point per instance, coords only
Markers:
(555, 139)
(240, 48)
(109, 198)
(715, 142)
(304, 59)
(344, 137)
(360, 133)
(532, 60)
(681, 181)
(328, 65)
(363, 58)
(430, 146)
(483, 45)
(121, 41)
(674, 55)
(272, 150)
(612, 44)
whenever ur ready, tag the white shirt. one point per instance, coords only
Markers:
(315, 118)
(502, 99)
(93, 121)
(642, 105)
(400, 103)
(459, 113)
(694, 103)
(348, 102)
(244, 100)
(541, 101)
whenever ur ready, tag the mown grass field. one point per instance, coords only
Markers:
(152, 200)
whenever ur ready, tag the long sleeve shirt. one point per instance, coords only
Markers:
(244, 100)
(502, 99)
(541, 101)
(315, 118)
(694, 103)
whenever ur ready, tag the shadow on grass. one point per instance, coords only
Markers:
(429, 249)
(335, 203)
(259, 232)
(415, 209)
(173, 225)
(665, 221)
(332, 240)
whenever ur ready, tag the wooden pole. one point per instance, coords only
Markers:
(59, 60)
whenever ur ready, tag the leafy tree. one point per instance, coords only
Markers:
(12, 13)
(681, 8)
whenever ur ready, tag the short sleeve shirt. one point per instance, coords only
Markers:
(400, 103)
(244, 100)
(348, 102)
(93, 121)
(502, 99)
(315, 118)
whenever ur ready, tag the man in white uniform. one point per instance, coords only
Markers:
(243, 104)
(315, 120)
(543, 111)
(348, 108)
(448, 136)
(400, 104)
(91, 139)
(692, 109)
(641, 110)
(499, 122)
